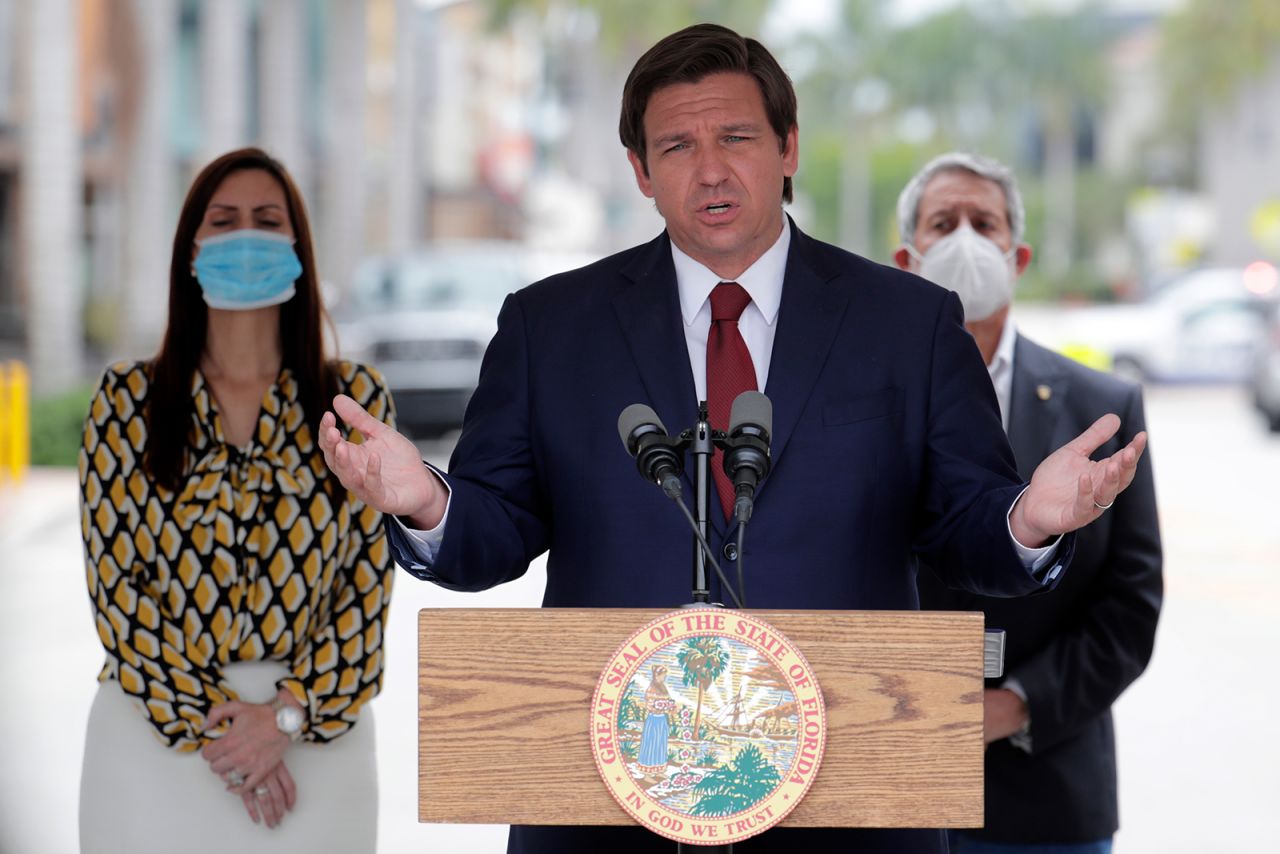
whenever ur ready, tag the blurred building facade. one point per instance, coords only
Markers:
(403, 121)
(1240, 169)
(408, 121)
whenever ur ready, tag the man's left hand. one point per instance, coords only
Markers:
(1068, 490)
(1004, 714)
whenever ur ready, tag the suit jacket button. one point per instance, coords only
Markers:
(731, 551)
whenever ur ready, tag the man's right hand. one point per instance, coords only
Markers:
(385, 470)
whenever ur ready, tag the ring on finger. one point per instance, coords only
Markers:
(262, 791)
(1104, 506)
(235, 778)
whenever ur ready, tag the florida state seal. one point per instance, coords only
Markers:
(707, 726)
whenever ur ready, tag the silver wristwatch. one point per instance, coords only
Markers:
(289, 718)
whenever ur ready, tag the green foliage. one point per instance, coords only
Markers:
(986, 75)
(629, 709)
(741, 784)
(1100, 202)
(819, 181)
(892, 166)
(57, 426)
(958, 59)
(1210, 47)
(1081, 284)
(703, 660)
(629, 27)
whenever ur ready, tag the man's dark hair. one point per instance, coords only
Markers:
(693, 54)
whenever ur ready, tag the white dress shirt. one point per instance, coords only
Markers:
(762, 281)
(1001, 370)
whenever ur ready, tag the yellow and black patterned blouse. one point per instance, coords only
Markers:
(250, 560)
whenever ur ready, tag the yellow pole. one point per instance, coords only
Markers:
(15, 431)
(20, 389)
(6, 417)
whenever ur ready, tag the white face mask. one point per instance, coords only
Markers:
(972, 266)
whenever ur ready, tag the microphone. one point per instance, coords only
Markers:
(660, 460)
(746, 455)
(657, 457)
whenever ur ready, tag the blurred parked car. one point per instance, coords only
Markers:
(1265, 384)
(425, 318)
(1203, 326)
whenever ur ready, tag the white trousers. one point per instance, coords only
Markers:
(138, 796)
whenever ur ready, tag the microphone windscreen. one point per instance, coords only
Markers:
(634, 416)
(751, 407)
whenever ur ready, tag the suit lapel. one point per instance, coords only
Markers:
(1035, 403)
(809, 317)
(648, 312)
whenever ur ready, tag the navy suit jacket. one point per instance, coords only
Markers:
(1076, 648)
(887, 445)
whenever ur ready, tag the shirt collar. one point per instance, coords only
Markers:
(762, 280)
(1003, 360)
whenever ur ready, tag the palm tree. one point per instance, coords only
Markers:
(740, 785)
(703, 660)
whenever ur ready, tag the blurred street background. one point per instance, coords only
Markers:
(451, 151)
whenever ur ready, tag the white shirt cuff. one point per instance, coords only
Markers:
(1032, 559)
(429, 540)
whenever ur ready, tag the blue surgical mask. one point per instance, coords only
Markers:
(247, 269)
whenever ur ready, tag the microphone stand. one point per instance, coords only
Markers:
(702, 446)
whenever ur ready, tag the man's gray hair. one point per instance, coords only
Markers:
(983, 167)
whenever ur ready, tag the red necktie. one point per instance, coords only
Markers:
(729, 372)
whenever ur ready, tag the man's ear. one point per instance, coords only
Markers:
(1022, 257)
(642, 174)
(791, 152)
(902, 258)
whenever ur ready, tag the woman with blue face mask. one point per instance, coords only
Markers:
(239, 591)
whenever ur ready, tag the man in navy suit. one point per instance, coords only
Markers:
(887, 440)
(1051, 760)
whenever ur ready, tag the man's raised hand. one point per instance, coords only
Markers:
(384, 471)
(1068, 490)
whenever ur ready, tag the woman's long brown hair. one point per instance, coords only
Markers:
(170, 406)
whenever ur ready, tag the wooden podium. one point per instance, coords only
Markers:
(504, 699)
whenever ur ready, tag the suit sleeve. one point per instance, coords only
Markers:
(970, 480)
(1081, 672)
(498, 510)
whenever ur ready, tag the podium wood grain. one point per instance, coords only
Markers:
(504, 699)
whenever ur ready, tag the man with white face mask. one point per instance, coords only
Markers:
(1050, 762)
